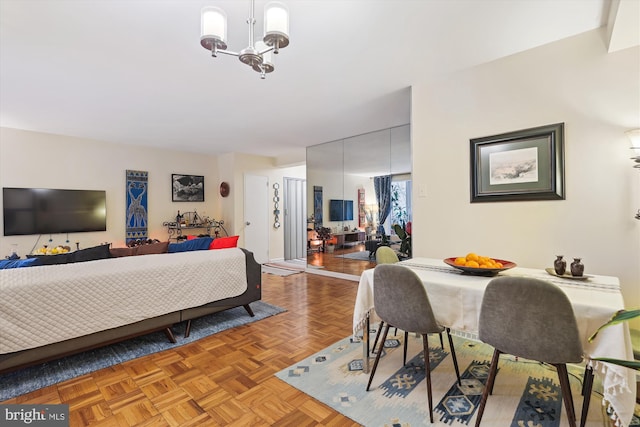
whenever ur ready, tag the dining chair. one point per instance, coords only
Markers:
(386, 255)
(532, 319)
(400, 299)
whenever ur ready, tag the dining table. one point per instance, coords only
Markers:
(456, 299)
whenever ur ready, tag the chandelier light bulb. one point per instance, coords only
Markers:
(213, 29)
(276, 25)
(634, 137)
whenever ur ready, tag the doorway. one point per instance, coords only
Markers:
(295, 215)
(256, 216)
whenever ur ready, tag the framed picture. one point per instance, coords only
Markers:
(187, 188)
(522, 165)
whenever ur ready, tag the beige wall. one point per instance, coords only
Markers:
(31, 159)
(575, 81)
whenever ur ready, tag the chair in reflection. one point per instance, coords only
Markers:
(400, 299)
(317, 239)
(386, 255)
(532, 319)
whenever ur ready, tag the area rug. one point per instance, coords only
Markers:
(29, 379)
(360, 255)
(277, 271)
(526, 393)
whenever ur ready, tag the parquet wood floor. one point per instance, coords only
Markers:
(226, 379)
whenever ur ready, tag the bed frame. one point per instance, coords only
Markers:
(24, 358)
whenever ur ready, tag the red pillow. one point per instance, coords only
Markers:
(224, 242)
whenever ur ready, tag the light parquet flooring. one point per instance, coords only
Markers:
(226, 379)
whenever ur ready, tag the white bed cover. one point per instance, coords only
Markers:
(47, 304)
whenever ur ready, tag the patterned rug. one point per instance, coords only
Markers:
(33, 378)
(526, 393)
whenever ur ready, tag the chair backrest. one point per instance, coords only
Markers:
(386, 255)
(530, 318)
(401, 300)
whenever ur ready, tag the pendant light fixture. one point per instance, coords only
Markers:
(258, 55)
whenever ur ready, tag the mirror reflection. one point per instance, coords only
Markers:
(358, 199)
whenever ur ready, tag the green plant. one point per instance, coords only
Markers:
(405, 238)
(619, 317)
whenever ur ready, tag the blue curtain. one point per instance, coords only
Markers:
(382, 186)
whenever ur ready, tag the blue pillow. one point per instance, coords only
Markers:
(201, 244)
(17, 263)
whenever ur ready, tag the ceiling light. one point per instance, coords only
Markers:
(258, 55)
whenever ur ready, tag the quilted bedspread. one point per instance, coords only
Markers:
(47, 304)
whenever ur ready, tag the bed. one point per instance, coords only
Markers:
(47, 312)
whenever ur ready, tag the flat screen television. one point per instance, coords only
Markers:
(48, 211)
(340, 210)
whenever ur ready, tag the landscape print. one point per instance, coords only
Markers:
(514, 166)
(187, 188)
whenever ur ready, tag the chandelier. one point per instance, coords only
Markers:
(258, 55)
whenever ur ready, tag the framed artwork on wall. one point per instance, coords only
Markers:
(523, 165)
(187, 188)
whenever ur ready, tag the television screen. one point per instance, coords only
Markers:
(49, 211)
(340, 210)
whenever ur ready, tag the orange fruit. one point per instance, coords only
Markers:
(460, 260)
(472, 263)
(472, 257)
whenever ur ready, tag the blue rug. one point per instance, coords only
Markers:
(526, 393)
(33, 378)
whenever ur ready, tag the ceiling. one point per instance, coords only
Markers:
(133, 71)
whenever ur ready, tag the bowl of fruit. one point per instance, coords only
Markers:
(478, 265)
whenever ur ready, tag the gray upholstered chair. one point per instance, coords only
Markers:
(532, 319)
(400, 299)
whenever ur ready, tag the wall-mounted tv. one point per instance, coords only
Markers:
(49, 211)
(340, 210)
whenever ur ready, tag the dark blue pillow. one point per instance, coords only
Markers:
(201, 244)
(17, 263)
(52, 259)
(91, 254)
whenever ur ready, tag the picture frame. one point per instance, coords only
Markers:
(522, 165)
(187, 188)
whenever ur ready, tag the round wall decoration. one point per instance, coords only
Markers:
(224, 189)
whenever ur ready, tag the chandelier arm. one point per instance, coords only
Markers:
(228, 52)
(269, 49)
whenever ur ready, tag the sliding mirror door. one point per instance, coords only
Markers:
(349, 214)
(325, 166)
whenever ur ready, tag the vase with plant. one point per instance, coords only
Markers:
(404, 233)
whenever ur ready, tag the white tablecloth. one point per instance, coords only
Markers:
(456, 299)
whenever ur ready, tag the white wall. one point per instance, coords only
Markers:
(575, 81)
(32, 159)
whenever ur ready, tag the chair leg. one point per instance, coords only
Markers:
(375, 341)
(453, 355)
(587, 385)
(406, 338)
(427, 371)
(566, 393)
(493, 369)
(375, 364)
(441, 341)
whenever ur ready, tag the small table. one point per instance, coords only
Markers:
(348, 236)
(456, 299)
